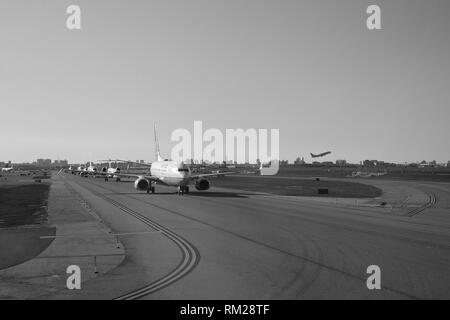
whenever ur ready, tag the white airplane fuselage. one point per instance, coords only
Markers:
(112, 170)
(172, 173)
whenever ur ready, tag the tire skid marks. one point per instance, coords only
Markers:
(319, 264)
(190, 254)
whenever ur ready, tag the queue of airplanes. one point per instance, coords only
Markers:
(162, 171)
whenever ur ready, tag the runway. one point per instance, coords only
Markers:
(231, 244)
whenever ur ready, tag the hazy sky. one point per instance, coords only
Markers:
(309, 68)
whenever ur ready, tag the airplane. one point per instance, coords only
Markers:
(82, 170)
(363, 174)
(9, 167)
(137, 165)
(110, 171)
(320, 154)
(91, 168)
(170, 173)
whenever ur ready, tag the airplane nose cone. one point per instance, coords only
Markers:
(183, 169)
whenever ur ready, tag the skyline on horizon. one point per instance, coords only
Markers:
(309, 160)
(310, 69)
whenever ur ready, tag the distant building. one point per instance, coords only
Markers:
(424, 164)
(284, 162)
(44, 162)
(60, 163)
(372, 163)
(299, 161)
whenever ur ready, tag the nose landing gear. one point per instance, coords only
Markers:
(183, 189)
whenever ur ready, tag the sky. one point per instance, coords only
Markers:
(311, 69)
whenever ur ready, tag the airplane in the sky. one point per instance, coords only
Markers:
(9, 167)
(320, 154)
(170, 173)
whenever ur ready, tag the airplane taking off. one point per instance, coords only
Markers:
(170, 173)
(320, 154)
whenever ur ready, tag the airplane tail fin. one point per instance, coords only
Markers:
(158, 155)
(312, 155)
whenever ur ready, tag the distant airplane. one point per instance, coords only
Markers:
(110, 171)
(82, 170)
(9, 167)
(320, 154)
(91, 168)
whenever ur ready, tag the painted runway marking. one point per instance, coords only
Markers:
(190, 254)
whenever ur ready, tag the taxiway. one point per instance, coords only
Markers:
(230, 244)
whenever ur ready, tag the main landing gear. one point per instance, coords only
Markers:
(182, 190)
(151, 189)
(117, 179)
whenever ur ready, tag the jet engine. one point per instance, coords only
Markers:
(141, 184)
(202, 184)
(104, 169)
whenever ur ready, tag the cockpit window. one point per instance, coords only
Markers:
(183, 170)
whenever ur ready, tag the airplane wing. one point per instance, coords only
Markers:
(135, 175)
(74, 170)
(119, 174)
(198, 176)
(134, 162)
